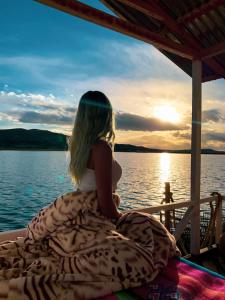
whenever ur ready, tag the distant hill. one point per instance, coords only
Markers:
(36, 139)
(32, 139)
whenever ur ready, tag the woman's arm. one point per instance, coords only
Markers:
(102, 159)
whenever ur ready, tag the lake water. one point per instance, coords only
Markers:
(30, 180)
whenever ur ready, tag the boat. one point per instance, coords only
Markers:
(192, 35)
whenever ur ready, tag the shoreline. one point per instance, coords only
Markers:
(157, 151)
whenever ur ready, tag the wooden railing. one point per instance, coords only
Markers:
(13, 234)
(186, 218)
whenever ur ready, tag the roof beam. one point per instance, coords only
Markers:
(217, 68)
(214, 50)
(113, 9)
(152, 9)
(143, 7)
(179, 29)
(211, 77)
(200, 10)
(99, 17)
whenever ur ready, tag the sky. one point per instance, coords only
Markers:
(48, 59)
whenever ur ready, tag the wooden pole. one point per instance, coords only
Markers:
(196, 154)
(167, 200)
(219, 219)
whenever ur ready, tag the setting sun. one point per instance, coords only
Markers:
(167, 113)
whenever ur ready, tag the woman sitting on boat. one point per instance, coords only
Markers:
(81, 246)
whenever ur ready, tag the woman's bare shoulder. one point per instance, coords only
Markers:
(101, 146)
(100, 150)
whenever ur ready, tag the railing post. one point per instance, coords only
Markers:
(196, 154)
(168, 199)
(219, 215)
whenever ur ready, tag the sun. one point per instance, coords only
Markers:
(167, 113)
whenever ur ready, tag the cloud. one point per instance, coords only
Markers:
(7, 117)
(35, 109)
(135, 60)
(136, 77)
(34, 117)
(218, 137)
(108, 59)
(126, 121)
(156, 139)
(47, 109)
(212, 115)
(42, 73)
(214, 139)
(11, 101)
(182, 135)
(214, 91)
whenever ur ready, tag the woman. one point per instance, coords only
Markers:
(81, 246)
(92, 165)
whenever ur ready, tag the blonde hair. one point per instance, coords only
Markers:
(94, 121)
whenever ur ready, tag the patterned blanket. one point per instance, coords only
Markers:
(179, 280)
(71, 251)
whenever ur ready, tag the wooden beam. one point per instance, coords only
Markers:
(210, 61)
(189, 40)
(144, 7)
(219, 221)
(114, 10)
(218, 69)
(12, 234)
(211, 77)
(214, 50)
(168, 206)
(152, 9)
(183, 223)
(96, 16)
(174, 205)
(200, 10)
(196, 154)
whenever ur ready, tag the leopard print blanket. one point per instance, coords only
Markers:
(71, 251)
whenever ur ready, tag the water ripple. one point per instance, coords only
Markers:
(30, 180)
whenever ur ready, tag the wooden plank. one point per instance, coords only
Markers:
(196, 154)
(217, 68)
(200, 10)
(175, 205)
(152, 9)
(211, 77)
(144, 7)
(183, 223)
(214, 50)
(12, 234)
(96, 16)
(188, 39)
(219, 217)
(169, 206)
(114, 10)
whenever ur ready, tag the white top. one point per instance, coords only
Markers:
(88, 181)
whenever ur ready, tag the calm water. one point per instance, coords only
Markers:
(30, 180)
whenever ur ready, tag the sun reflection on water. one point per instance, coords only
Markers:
(164, 167)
